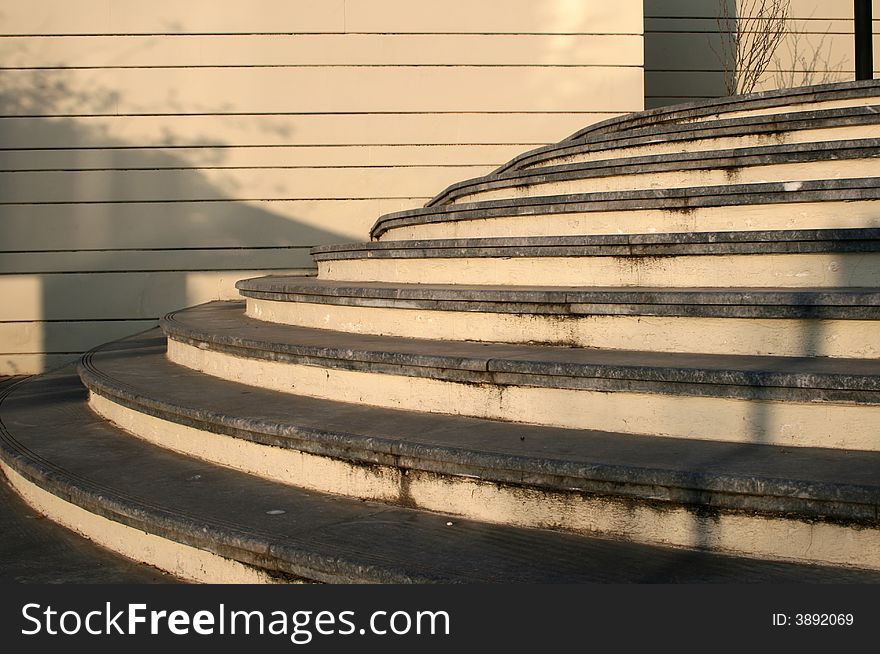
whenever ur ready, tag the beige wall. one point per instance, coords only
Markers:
(151, 153)
(680, 65)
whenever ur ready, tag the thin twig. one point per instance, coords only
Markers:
(748, 39)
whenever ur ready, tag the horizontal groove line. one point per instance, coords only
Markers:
(695, 31)
(317, 33)
(75, 320)
(200, 168)
(663, 17)
(77, 353)
(201, 201)
(156, 270)
(294, 66)
(225, 146)
(767, 71)
(245, 114)
(685, 97)
(209, 248)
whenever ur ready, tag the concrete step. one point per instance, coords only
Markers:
(764, 259)
(777, 322)
(210, 523)
(708, 135)
(822, 204)
(638, 488)
(35, 550)
(774, 163)
(812, 402)
(802, 98)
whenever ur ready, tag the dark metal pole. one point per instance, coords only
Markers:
(864, 45)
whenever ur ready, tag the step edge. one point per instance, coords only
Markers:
(670, 199)
(848, 502)
(829, 387)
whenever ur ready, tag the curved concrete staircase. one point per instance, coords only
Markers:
(650, 352)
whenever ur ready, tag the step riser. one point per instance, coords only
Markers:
(795, 215)
(707, 144)
(324, 474)
(749, 336)
(790, 172)
(713, 271)
(815, 424)
(183, 561)
(646, 521)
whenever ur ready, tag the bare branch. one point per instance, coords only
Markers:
(749, 39)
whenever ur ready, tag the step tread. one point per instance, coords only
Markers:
(280, 286)
(690, 198)
(767, 303)
(746, 124)
(135, 372)
(223, 324)
(320, 536)
(862, 239)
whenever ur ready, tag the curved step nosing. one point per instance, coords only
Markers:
(479, 248)
(786, 120)
(815, 499)
(796, 387)
(758, 100)
(707, 113)
(623, 304)
(792, 238)
(622, 252)
(686, 199)
(729, 159)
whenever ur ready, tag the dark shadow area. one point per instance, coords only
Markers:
(36, 550)
(104, 252)
(682, 49)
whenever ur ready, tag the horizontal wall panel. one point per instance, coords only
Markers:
(191, 224)
(709, 85)
(286, 16)
(831, 52)
(151, 154)
(839, 9)
(663, 101)
(153, 260)
(170, 16)
(258, 157)
(493, 16)
(322, 50)
(229, 184)
(126, 296)
(65, 336)
(303, 130)
(370, 89)
(696, 84)
(710, 25)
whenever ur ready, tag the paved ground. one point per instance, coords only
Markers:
(36, 550)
